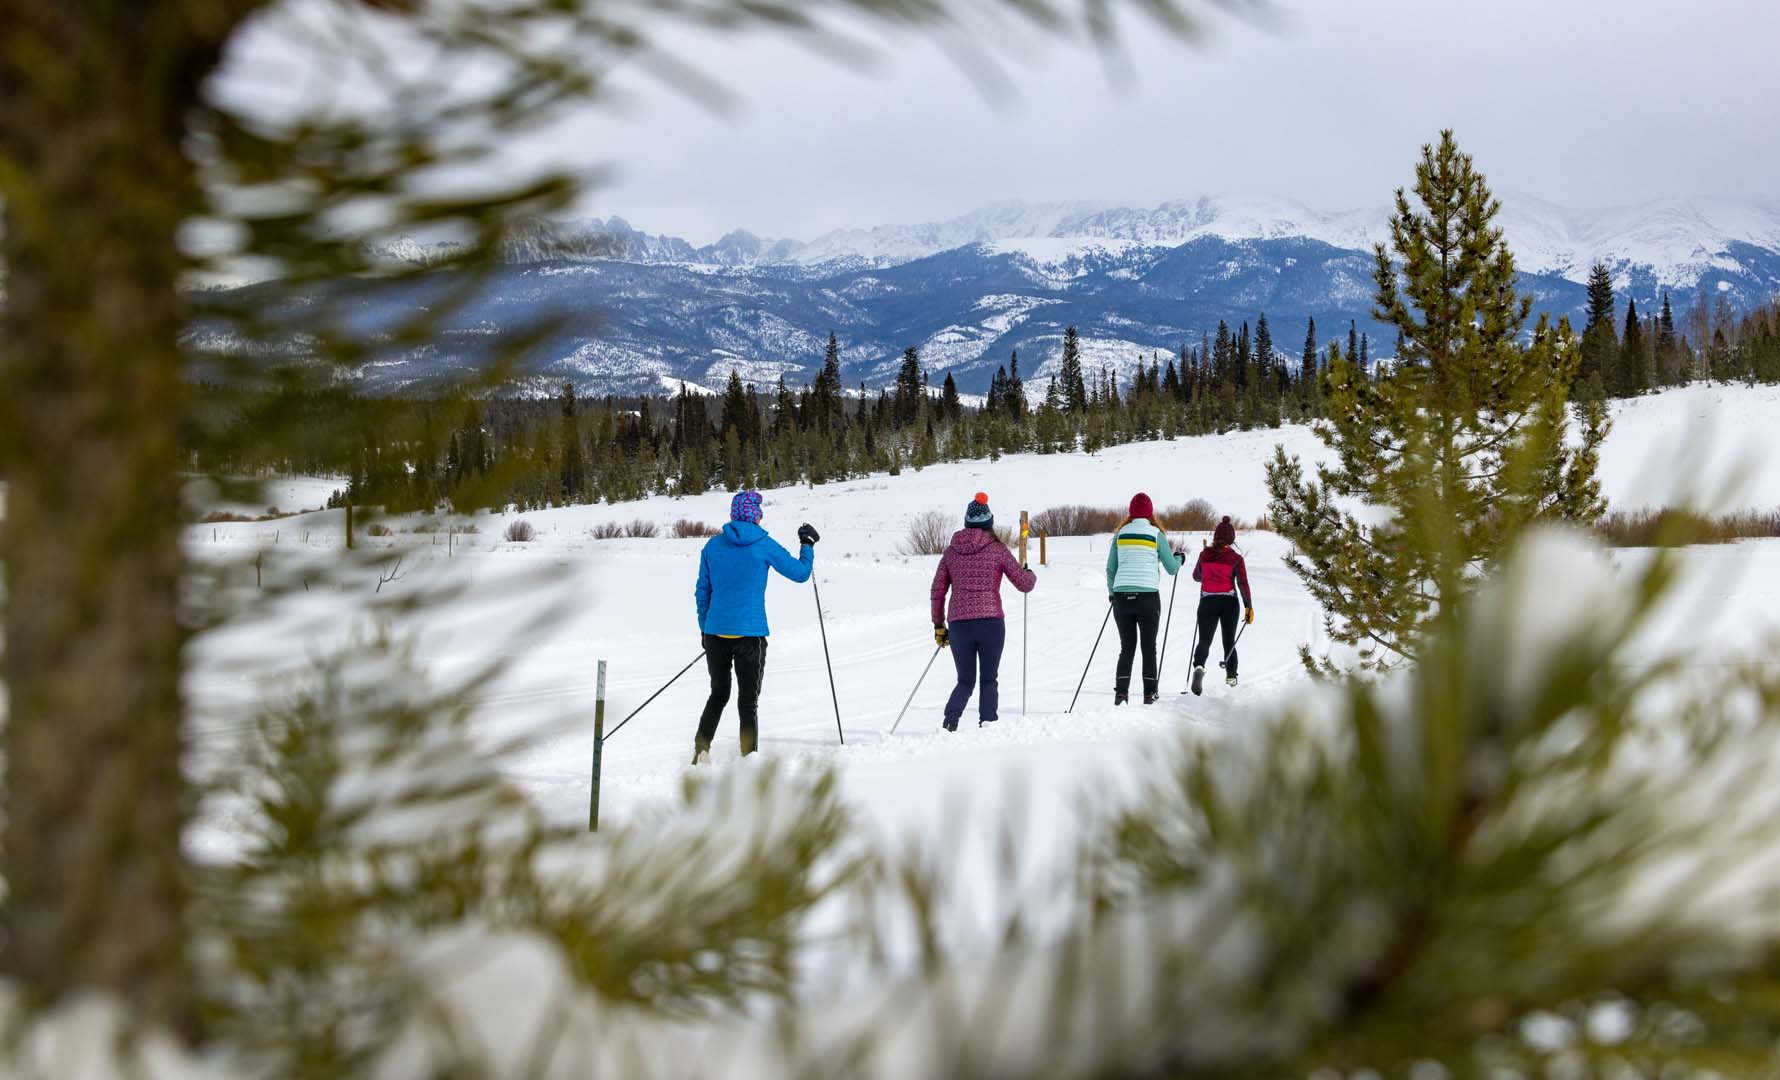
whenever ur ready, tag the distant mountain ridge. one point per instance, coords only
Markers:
(642, 312)
(1673, 240)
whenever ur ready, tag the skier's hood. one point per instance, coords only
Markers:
(971, 541)
(743, 533)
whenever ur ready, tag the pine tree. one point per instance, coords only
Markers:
(1668, 359)
(911, 384)
(949, 406)
(574, 458)
(1632, 379)
(1308, 369)
(1461, 445)
(1599, 345)
(825, 396)
(1016, 389)
(1075, 386)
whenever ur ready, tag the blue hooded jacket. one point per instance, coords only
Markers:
(731, 589)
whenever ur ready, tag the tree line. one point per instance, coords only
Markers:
(1623, 356)
(531, 453)
(468, 453)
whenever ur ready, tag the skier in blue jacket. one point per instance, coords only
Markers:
(731, 597)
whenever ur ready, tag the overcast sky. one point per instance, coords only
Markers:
(1582, 102)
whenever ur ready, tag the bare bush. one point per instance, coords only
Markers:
(1077, 520)
(687, 529)
(1684, 528)
(520, 531)
(1196, 515)
(929, 534)
(606, 530)
(641, 530)
(378, 528)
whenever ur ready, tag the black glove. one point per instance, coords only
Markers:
(807, 534)
(940, 637)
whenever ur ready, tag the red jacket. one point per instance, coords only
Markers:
(972, 567)
(1219, 571)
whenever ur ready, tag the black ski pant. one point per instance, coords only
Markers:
(1218, 609)
(1137, 615)
(748, 656)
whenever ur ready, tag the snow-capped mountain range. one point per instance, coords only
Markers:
(639, 312)
(1675, 240)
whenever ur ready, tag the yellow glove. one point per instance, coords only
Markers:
(1250, 617)
(940, 637)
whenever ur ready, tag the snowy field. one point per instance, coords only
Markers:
(630, 603)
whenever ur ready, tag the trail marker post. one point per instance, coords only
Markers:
(599, 743)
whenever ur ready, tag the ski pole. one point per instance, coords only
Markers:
(831, 691)
(1231, 651)
(1163, 659)
(658, 693)
(917, 689)
(1091, 652)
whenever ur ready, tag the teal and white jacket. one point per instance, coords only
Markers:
(1138, 554)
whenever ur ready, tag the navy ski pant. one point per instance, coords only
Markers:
(976, 642)
(1215, 610)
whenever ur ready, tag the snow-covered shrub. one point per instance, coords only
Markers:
(520, 531)
(641, 529)
(606, 530)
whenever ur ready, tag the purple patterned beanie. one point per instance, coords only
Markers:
(745, 507)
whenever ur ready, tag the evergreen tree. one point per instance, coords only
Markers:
(1632, 378)
(1307, 369)
(574, 458)
(949, 406)
(1075, 386)
(1461, 445)
(825, 396)
(1599, 345)
(1669, 372)
(911, 384)
(1016, 389)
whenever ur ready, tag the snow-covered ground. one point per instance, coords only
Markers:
(629, 602)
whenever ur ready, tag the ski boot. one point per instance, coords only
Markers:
(701, 755)
(949, 725)
(1198, 681)
(1230, 681)
(1149, 697)
(1121, 697)
(991, 720)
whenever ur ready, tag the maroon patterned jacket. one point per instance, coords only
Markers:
(972, 568)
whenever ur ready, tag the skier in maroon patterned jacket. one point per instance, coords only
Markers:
(972, 567)
(1221, 573)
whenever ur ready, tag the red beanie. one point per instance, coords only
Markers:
(1141, 506)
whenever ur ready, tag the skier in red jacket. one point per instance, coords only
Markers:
(1221, 573)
